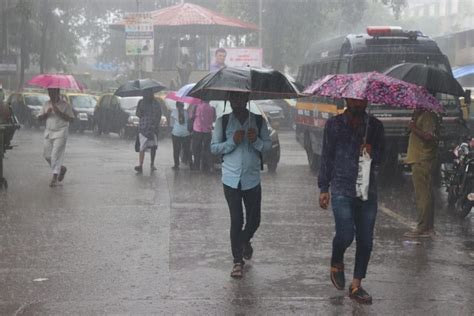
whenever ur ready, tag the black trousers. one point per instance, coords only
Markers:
(202, 150)
(181, 144)
(252, 200)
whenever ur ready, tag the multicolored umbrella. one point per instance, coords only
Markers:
(375, 88)
(59, 81)
(181, 95)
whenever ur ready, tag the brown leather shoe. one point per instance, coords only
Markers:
(360, 295)
(338, 277)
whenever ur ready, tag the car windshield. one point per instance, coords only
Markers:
(37, 99)
(222, 108)
(83, 101)
(129, 103)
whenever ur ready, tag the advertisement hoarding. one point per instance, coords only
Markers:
(239, 56)
(139, 34)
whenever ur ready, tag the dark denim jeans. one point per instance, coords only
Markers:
(252, 200)
(354, 217)
(202, 151)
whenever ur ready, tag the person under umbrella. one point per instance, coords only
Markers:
(343, 143)
(180, 135)
(241, 140)
(58, 114)
(149, 113)
(241, 137)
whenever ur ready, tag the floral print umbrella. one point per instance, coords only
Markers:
(375, 88)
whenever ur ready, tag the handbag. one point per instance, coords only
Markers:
(363, 176)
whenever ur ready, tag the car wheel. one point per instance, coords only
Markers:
(96, 130)
(122, 133)
(463, 207)
(452, 195)
(28, 123)
(272, 166)
(313, 159)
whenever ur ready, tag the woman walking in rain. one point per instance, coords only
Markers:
(58, 114)
(180, 135)
(149, 112)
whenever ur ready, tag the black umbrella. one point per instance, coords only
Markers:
(261, 83)
(135, 88)
(432, 78)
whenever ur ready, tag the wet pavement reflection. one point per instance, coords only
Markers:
(109, 241)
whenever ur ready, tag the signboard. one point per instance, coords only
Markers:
(8, 63)
(240, 56)
(7, 67)
(139, 34)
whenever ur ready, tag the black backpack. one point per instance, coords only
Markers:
(258, 120)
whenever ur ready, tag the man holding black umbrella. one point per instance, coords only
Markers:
(240, 139)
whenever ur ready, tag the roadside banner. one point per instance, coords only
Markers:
(240, 56)
(139, 34)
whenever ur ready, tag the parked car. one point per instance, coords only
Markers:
(273, 111)
(27, 106)
(114, 114)
(83, 106)
(271, 158)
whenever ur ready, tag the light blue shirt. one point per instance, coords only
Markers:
(179, 130)
(241, 162)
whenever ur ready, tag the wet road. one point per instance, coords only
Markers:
(111, 242)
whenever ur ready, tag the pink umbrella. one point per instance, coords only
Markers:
(375, 88)
(181, 95)
(55, 81)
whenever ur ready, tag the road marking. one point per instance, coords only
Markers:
(399, 218)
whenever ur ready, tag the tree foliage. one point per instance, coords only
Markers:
(289, 27)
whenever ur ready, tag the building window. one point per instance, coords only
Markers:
(442, 8)
(431, 10)
(463, 40)
(454, 6)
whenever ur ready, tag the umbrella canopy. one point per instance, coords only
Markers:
(135, 88)
(261, 83)
(432, 78)
(193, 19)
(59, 81)
(375, 88)
(181, 95)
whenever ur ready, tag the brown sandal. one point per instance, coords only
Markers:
(237, 271)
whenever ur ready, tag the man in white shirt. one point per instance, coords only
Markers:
(58, 114)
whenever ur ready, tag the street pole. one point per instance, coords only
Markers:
(139, 57)
(260, 6)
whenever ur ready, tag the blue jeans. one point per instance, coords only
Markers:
(354, 217)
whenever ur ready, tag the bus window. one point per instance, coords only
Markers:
(333, 67)
(382, 62)
(324, 69)
(343, 66)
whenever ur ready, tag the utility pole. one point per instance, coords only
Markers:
(139, 58)
(260, 8)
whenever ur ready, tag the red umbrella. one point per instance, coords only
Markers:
(375, 88)
(55, 81)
